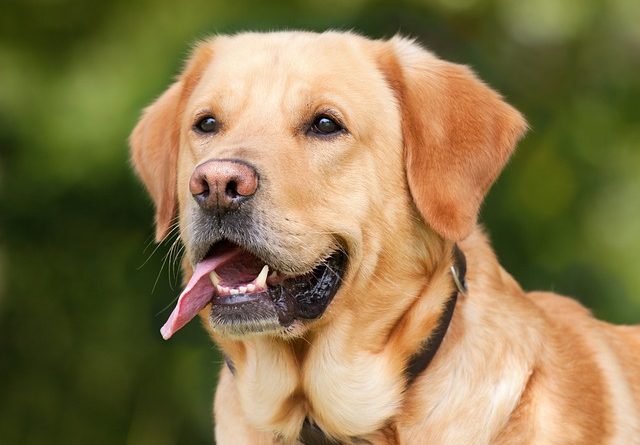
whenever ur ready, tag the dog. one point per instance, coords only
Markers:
(327, 188)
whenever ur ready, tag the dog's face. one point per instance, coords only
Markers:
(298, 161)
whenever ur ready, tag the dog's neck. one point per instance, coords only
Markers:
(326, 375)
(312, 434)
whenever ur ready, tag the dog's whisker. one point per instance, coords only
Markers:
(155, 283)
(177, 261)
(168, 306)
(173, 250)
(169, 234)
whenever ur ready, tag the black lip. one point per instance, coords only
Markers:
(302, 297)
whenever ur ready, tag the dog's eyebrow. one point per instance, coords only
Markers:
(331, 112)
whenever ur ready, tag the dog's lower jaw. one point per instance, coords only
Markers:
(255, 327)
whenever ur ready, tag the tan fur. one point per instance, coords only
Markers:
(426, 140)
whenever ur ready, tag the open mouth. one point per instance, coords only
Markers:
(248, 296)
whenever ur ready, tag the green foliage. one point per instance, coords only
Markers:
(81, 359)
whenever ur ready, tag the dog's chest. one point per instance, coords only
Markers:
(345, 398)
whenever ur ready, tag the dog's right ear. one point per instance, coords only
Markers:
(154, 153)
(155, 140)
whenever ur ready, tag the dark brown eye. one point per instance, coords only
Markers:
(207, 124)
(324, 125)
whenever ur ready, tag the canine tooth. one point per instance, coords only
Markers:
(251, 287)
(215, 279)
(220, 289)
(234, 291)
(243, 289)
(261, 280)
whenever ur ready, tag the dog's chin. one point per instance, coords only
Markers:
(240, 316)
(284, 307)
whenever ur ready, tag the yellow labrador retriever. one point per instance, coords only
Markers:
(327, 188)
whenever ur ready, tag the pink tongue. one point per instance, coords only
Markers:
(196, 295)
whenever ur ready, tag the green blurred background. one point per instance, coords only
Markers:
(81, 359)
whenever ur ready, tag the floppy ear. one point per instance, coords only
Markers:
(458, 135)
(154, 152)
(155, 139)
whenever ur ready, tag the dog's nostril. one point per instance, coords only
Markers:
(200, 189)
(232, 189)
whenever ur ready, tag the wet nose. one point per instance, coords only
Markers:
(223, 184)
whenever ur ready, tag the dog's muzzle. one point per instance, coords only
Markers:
(236, 272)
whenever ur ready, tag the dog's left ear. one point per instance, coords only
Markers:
(458, 134)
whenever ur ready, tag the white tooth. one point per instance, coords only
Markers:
(234, 292)
(261, 280)
(243, 289)
(225, 289)
(215, 279)
(251, 287)
(220, 289)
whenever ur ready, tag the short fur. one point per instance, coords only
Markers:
(426, 139)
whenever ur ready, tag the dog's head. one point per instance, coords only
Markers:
(302, 166)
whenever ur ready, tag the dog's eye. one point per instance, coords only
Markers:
(207, 124)
(324, 125)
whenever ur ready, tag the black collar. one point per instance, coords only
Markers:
(421, 359)
(311, 434)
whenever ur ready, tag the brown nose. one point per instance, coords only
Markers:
(223, 184)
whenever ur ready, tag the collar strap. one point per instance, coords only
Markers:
(421, 359)
(312, 434)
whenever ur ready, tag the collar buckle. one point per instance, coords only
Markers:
(459, 270)
(461, 284)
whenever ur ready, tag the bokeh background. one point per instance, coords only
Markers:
(83, 290)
